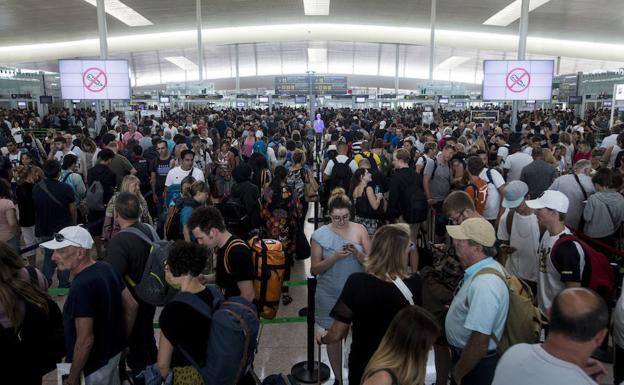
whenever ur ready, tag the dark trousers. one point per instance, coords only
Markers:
(440, 220)
(483, 373)
(618, 364)
(141, 341)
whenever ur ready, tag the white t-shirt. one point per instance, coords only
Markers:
(528, 150)
(340, 159)
(614, 153)
(176, 174)
(515, 163)
(503, 152)
(59, 155)
(524, 238)
(492, 203)
(549, 282)
(526, 364)
(17, 135)
(609, 141)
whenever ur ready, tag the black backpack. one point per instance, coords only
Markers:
(38, 345)
(371, 159)
(414, 206)
(142, 168)
(340, 175)
(235, 216)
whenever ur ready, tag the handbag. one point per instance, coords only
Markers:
(311, 188)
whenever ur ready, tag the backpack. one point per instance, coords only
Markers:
(38, 345)
(479, 194)
(371, 159)
(602, 278)
(269, 267)
(261, 147)
(386, 165)
(142, 168)
(414, 203)
(232, 340)
(525, 321)
(95, 196)
(235, 216)
(340, 175)
(173, 225)
(152, 288)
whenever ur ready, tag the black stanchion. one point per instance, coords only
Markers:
(310, 370)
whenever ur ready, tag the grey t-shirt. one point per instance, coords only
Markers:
(440, 185)
(570, 188)
(530, 364)
(538, 175)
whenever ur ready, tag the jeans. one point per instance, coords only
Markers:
(223, 185)
(482, 373)
(49, 266)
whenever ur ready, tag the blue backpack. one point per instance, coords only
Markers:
(232, 339)
(261, 147)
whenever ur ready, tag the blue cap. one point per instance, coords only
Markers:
(515, 191)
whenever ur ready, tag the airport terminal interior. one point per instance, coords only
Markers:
(284, 192)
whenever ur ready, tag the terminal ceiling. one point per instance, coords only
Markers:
(367, 51)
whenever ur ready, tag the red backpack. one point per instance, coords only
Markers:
(602, 278)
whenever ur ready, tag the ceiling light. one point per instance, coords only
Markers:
(451, 62)
(182, 62)
(316, 7)
(511, 13)
(123, 13)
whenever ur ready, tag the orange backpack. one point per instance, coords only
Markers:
(478, 193)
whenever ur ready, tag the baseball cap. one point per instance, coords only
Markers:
(515, 191)
(70, 236)
(551, 199)
(475, 229)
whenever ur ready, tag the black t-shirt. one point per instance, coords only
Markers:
(128, 254)
(96, 293)
(370, 304)
(49, 216)
(185, 327)
(240, 267)
(161, 168)
(25, 203)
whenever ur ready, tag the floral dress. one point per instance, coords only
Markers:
(281, 215)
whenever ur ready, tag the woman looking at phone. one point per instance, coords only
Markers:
(339, 249)
(370, 300)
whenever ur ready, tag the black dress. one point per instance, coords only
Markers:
(370, 304)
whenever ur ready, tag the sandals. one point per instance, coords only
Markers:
(286, 299)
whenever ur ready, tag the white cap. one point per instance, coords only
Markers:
(551, 199)
(70, 236)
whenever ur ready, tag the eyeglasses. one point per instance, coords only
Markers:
(60, 238)
(339, 218)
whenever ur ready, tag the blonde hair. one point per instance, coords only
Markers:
(405, 346)
(338, 200)
(127, 181)
(388, 249)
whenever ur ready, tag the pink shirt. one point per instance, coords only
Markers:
(128, 135)
(5, 230)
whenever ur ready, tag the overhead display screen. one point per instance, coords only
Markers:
(94, 79)
(517, 80)
(321, 85)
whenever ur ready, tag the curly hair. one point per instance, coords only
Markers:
(187, 258)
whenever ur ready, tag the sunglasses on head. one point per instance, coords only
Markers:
(60, 238)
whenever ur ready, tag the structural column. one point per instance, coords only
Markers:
(432, 39)
(103, 33)
(237, 71)
(200, 46)
(522, 41)
(396, 73)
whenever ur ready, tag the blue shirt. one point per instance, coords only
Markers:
(480, 305)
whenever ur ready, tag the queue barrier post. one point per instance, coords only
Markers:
(311, 371)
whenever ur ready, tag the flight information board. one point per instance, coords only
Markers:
(300, 85)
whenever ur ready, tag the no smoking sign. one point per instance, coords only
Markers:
(94, 79)
(518, 80)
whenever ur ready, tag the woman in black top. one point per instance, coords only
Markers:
(181, 325)
(370, 300)
(369, 204)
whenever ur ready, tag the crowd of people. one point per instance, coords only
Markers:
(422, 227)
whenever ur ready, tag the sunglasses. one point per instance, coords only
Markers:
(60, 238)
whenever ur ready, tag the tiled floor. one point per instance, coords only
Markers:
(283, 345)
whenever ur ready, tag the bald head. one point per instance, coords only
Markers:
(579, 314)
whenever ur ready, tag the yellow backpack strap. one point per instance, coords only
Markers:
(226, 255)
